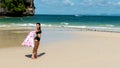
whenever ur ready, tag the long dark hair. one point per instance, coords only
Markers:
(39, 25)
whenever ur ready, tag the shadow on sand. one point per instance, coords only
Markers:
(39, 55)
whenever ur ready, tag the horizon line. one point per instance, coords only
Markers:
(84, 14)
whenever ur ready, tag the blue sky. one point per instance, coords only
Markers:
(94, 7)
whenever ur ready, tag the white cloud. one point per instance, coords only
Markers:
(50, 1)
(99, 3)
(68, 2)
(117, 3)
(44, 0)
(93, 3)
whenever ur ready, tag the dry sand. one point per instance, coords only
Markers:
(85, 49)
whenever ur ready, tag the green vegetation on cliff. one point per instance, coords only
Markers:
(14, 6)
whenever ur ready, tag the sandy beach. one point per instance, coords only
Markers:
(61, 49)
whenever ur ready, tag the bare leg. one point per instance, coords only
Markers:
(34, 54)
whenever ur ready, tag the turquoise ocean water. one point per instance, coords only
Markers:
(111, 23)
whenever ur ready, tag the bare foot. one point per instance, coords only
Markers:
(33, 56)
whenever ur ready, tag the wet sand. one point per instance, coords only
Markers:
(12, 37)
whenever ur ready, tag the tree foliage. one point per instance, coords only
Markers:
(13, 5)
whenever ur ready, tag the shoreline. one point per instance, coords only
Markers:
(13, 37)
(62, 28)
